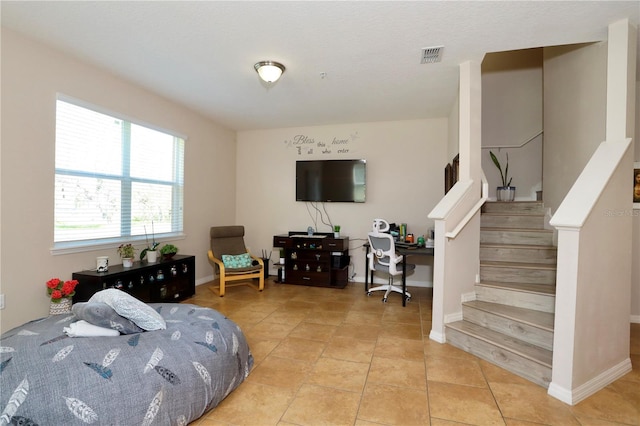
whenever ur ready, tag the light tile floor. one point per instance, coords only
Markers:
(337, 357)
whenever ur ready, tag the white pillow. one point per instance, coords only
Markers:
(143, 315)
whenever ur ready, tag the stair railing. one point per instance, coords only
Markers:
(513, 146)
(465, 220)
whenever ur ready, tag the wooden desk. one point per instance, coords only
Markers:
(405, 252)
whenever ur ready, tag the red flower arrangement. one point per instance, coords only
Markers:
(59, 290)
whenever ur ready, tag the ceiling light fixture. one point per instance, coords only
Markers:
(269, 71)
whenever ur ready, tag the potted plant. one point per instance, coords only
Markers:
(168, 250)
(150, 251)
(127, 252)
(60, 292)
(506, 192)
(336, 231)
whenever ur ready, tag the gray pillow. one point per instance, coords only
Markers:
(103, 315)
(143, 315)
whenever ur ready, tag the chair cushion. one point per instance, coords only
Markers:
(247, 270)
(237, 261)
(227, 240)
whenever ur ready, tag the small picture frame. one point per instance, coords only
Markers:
(636, 185)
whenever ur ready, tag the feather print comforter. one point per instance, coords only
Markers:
(165, 377)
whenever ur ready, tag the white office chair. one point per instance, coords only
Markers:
(383, 258)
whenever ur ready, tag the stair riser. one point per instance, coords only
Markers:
(520, 221)
(510, 327)
(523, 367)
(521, 299)
(517, 275)
(545, 256)
(534, 238)
(514, 207)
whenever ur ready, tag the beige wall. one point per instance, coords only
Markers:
(454, 280)
(574, 125)
(453, 147)
(31, 76)
(512, 119)
(635, 271)
(404, 181)
(574, 114)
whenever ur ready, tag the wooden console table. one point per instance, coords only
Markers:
(314, 260)
(164, 281)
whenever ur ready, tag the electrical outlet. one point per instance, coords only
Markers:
(1, 301)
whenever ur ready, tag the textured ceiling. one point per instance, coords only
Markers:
(201, 53)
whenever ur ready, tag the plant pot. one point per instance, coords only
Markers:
(127, 262)
(152, 256)
(336, 234)
(168, 256)
(61, 307)
(506, 193)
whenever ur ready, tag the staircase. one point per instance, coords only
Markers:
(510, 323)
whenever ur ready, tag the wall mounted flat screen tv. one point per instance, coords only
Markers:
(331, 180)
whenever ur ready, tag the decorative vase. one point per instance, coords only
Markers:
(127, 262)
(152, 256)
(62, 307)
(506, 193)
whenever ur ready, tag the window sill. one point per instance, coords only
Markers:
(86, 246)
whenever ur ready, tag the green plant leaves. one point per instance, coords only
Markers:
(504, 176)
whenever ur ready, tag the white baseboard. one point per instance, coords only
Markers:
(205, 280)
(438, 337)
(635, 319)
(410, 283)
(468, 297)
(456, 316)
(574, 396)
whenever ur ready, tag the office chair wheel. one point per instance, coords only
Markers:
(368, 293)
(407, 298)
(384, 300)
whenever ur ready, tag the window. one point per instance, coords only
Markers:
(114, 179)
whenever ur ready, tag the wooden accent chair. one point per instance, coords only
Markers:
(227, 243)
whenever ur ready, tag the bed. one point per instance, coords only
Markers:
(164, 377)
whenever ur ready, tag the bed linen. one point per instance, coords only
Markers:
(162, 377)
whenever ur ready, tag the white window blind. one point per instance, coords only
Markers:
(113, 178)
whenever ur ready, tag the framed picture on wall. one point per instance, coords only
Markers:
(636, 185)
(448, 178)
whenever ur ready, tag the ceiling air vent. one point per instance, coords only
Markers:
(431, 54)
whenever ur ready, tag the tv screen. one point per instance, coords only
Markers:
(331, 180)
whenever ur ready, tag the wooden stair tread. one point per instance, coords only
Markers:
(546, 289)
(514, 213)
(521, 265)
(538, 319)
(496, 229)
(518, 246)
(526, 350)
(512, 203)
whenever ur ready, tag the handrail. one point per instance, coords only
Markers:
(588, 187)
(465, 220)
(514, 146)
